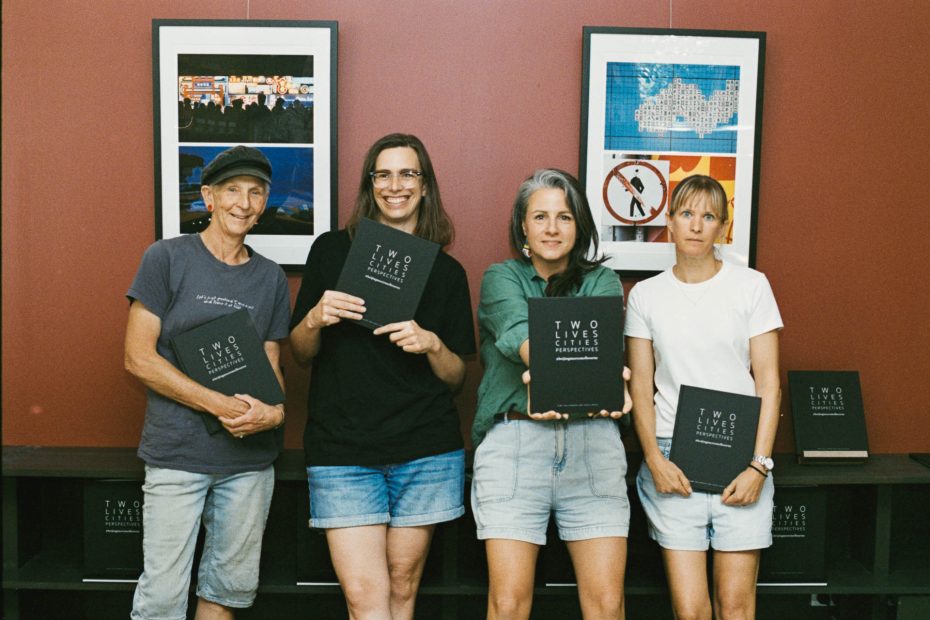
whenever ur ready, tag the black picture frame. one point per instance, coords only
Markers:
(284, 74)
(656, 106)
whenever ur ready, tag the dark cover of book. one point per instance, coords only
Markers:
(227, 355)
(388, 268)
(112, 530)
(829, 421)
(798, 551)
(576, 353)
(714, 436)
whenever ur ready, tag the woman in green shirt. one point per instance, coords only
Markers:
(530, 465)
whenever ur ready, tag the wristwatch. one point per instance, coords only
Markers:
(764, 461)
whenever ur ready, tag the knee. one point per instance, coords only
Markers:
(510, 604)
(363, 593)
(404, 582)
(735, 609)
(606, 604)
(693, 611)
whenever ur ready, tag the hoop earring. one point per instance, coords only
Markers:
(526, 250)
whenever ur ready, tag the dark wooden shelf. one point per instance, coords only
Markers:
(879, 543)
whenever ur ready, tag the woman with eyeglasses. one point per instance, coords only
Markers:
(384, 453)
(530, 465)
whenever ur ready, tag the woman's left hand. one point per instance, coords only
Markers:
(627, 400)
(260, 417)
(745, 488)
(411, 337)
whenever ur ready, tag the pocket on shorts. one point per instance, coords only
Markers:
(605, 459)
(495, 466)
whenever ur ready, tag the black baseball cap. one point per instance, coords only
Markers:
(234, 162)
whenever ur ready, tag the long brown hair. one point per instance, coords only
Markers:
(433, 222)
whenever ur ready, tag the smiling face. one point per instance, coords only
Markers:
(398, 205)
(696, 226)
(236, 203)
(550, 231)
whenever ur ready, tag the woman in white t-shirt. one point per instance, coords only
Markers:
(714, 325)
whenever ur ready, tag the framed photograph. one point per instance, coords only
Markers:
(660, 105)
(267, 84)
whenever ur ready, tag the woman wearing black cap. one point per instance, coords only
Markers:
(224, 479)
(383, 447)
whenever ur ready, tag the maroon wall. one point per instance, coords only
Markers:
(493, 89)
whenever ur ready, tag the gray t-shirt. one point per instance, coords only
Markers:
(184, 285)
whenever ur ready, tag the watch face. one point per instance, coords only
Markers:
(769, 463)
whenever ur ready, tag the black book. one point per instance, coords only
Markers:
(714, 436)
(829, 421)
(112, 530)
(798, 551)
(576, 354)
(227, 355)
(388, 268)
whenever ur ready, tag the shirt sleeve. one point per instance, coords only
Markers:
(503, 311)
(458, 331)
(312, 284)
(278, 329)
(765, 316)
(152, 285)
(635, 325)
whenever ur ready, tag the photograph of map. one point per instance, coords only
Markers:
(671, 107)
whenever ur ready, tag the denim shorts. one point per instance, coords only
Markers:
(702, 520)
(526, 470)
(419, 492)
(233, 509)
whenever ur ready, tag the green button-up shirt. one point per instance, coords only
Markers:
(503, 326)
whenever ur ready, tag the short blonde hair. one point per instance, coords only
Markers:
(700, 185)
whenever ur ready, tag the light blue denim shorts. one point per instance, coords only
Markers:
(526, 470)
(233, 509)
(702, 520)
(419, 492)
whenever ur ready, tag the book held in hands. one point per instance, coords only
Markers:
(714, 436)
(576, 354)
(387, 268)
(227, 355)
(829, 420)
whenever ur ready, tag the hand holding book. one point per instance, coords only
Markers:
(333, 307)
(259, 417)
(603, 413)
(745, 488)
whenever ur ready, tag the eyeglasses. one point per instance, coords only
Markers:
(382, 179)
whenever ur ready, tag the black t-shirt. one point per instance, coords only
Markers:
(370, 403)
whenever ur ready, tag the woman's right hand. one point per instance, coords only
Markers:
(332, 308)
(667, 476)
(548, 415)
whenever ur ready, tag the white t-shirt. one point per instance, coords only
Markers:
(700, 332)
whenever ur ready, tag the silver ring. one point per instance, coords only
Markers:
(240, 435)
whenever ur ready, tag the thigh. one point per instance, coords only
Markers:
(599, 563)
(687, 583)
(234, 521)
(590, 485)
(347, 496)
(172, 511)
(359, 554)
(511, 569)
(735, 574)
(512, 482)
(407, 548)
(428, 490)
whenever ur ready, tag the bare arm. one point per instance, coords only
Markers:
(667, 476)
(445, 364)
(142, 360)
(763, 355)
(332, 308)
